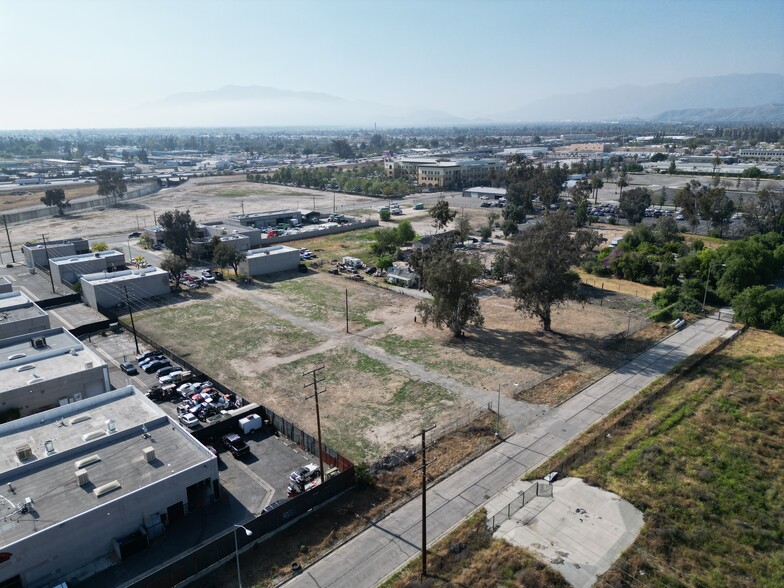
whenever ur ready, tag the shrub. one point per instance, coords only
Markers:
(385, 215)
(666, 297)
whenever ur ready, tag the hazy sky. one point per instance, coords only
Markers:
(72, 63)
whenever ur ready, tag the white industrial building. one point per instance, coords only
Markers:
(38, 254)
(488, 193)
(91, 483)
(68, 269)
(108, 290)
(20, 315)
(270, 260)
(48, 368)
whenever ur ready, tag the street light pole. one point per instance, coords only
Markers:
(248, 533)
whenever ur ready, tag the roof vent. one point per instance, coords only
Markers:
(88, 365)
(89, 460)
(38, 342)
(111, 426)
(80, 419)
(149, 454)
(49, 446)
(24, 368)
(24, 452)
(106, 488)
(16, 356)
(82, 477)
(93, 435)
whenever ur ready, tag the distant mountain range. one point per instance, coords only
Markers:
(648, 102)
(746, 98)
(767, 113)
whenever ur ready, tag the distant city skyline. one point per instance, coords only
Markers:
(82, 64)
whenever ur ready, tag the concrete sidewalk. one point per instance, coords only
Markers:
(381, 549)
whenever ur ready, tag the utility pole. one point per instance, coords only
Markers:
(133, 326)
(423, 467)
(8, 235)
(315, 373)
(346, 310)
(242, 204)
(46, 250)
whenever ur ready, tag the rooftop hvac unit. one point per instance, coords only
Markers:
(111, 426)
(23, 452)
(106, 488)
(149, 454)
(82, 477)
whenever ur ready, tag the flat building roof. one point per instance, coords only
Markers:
(106, 436)
(125, 275)
(16, 306)
(57, 353)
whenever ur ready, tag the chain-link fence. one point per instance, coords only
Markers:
(537, 489)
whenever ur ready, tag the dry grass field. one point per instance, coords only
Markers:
(704, 464)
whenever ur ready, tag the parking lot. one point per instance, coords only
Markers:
(254, 480)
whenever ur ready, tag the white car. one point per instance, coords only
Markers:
(304, 474)
(189, 420)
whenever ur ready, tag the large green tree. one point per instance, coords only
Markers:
(765, 213)
(716, 207)
(450, 278)
(179, 230)
(56, 197)
(633, 204)
(111, 183)
(225, 254)
(173, 264)
(540, 263)
(441, 214)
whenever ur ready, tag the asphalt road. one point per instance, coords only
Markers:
(380, 550)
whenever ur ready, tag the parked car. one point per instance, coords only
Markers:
(304, 474)
(171, 378)
(236, 445)
(134, 235)
(148, 360)
(166, 370)
(146, 355)
(129, 368)
(155, 366)
(208, 277)
(189, 420)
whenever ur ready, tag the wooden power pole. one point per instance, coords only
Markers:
(315, 383)
(423, 467)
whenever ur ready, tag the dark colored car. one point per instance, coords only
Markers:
(146, 355)
(166, 370)
(155, 366)
(157, 357)
(134, 235)
(129, 368)
(236, 445)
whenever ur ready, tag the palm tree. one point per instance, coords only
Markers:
(622, 183)
(596, 183)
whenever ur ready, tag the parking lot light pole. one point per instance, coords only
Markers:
(248, 533)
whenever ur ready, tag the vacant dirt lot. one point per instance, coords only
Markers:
(207, 199)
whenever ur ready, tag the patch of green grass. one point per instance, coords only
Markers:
(708, 480)
(428, 352)
(211, 334)
(386, 397)
(323, 302)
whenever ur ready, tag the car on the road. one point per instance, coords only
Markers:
(189, 420)
(129, 368)
(134, 234)
(236, 445)
(304, 474)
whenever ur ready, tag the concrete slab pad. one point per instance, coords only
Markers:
(580, 533)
